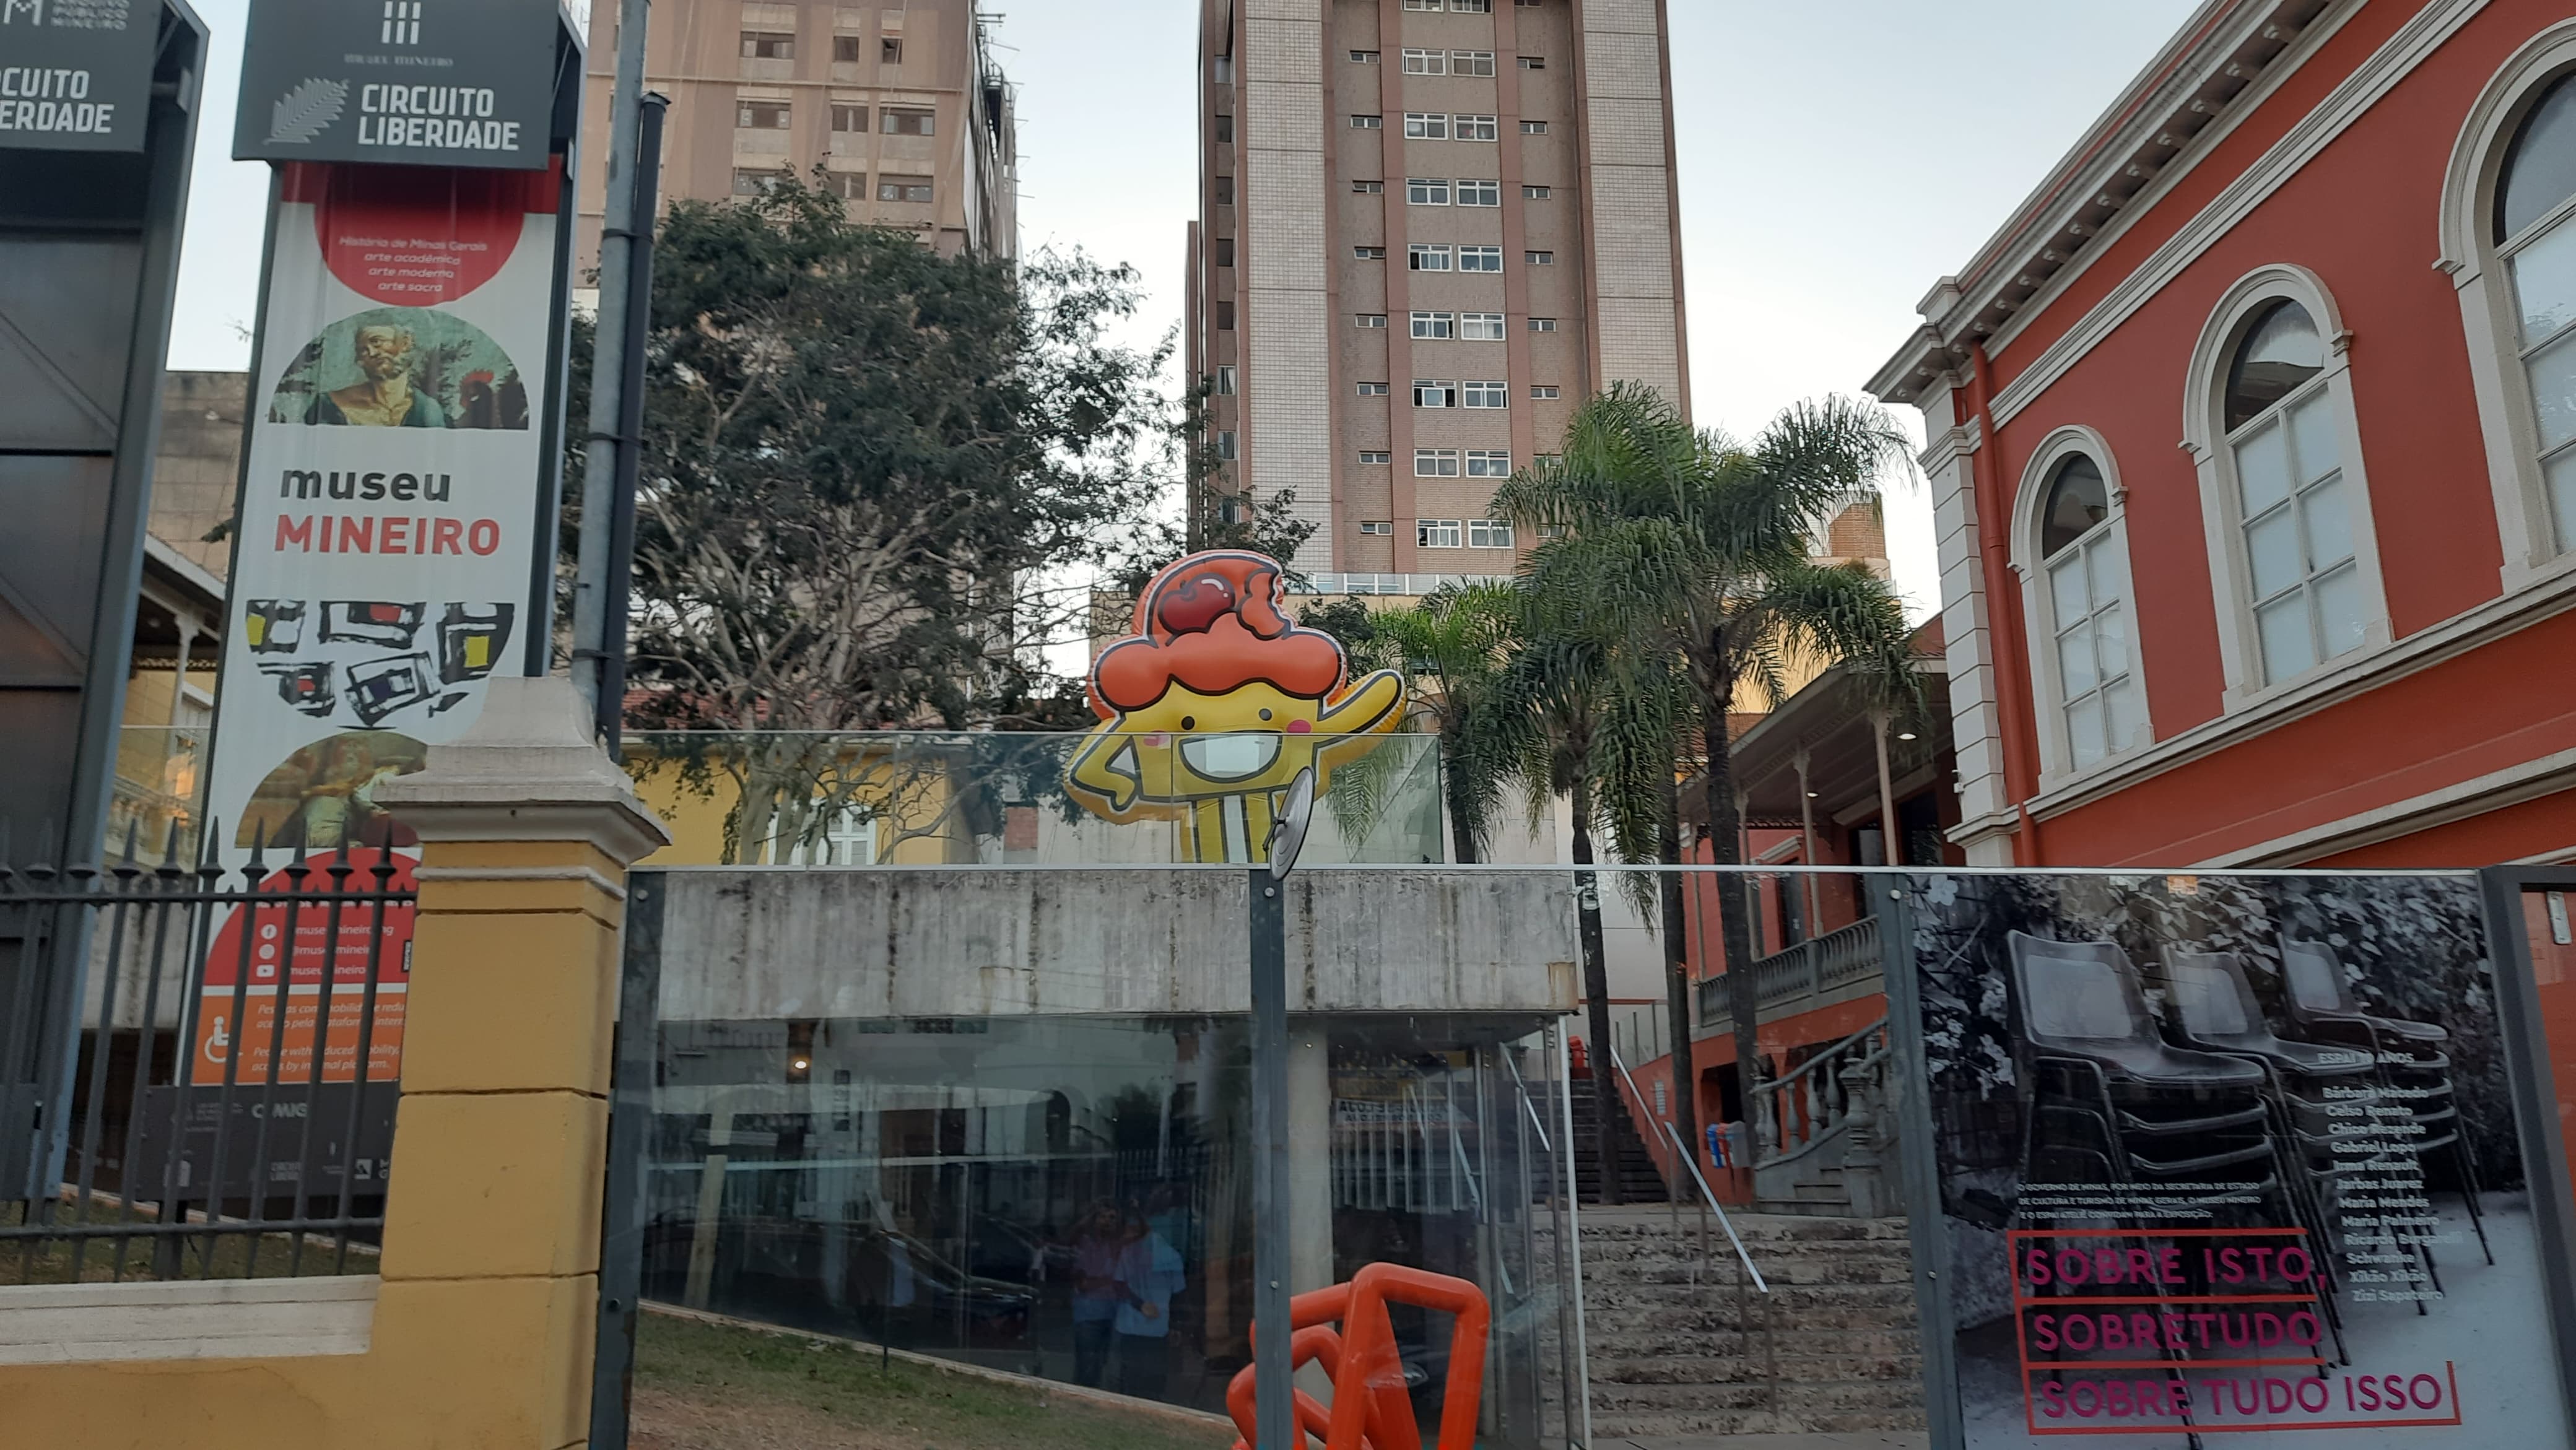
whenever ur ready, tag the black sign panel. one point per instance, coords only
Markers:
(76, 75)
(299, 1136)
(2221, 1155)
(398, 82)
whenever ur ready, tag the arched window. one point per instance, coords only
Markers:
(2294, 509)
(2071, 550)
(2087, 567)
(2535, 239)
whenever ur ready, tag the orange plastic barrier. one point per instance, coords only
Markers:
(1371, 1409)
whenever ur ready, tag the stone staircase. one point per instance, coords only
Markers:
(1638, 1180)
(1680, 1345)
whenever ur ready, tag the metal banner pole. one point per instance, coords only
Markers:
(1270, 1332)
(622, 1199)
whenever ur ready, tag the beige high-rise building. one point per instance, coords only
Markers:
(1428, 229)
(899, 102)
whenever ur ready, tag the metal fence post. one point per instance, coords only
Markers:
(630, 1131)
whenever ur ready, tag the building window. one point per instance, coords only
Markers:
(1489, 534)
(1536, 193)
(1368, 123)
(1379, 527)
(1368, 188)
(1472, 7)
(1364, 57)
(1222, 188)
(903, 188)
(1487, 395)
(1426, 62)
(1426, 191)
(1533, 128)
(1225, 380)
(1435, 326)
(1221, 69)
(1368, 457)
(2302, 576)
(1480, 193)
(1435, 463)
(1427, 256)
(768, 45)
(1225, 251)
(1480, 326)
(1543, 390)
(2536, 242)
(1369, 254)
(1426, 126)
(761, 115)
(1225, 445)
(1224, 316)
(848, 49)
(908, 123)
(1542, 324)
(1480, 259)
(757, 183)
(1372, 390)
(2085, 561)
(1540, 259)
(1436, 533)
(1471, 62)
(1533, 62)
(1489, 463)
(1434, 393)
(889, 51)
(847, 185)
(1421, 4)
(1225, 128)
(1478, 128)
(850, 118)
(1369, 320)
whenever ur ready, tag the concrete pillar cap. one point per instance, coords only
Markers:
(527, 770)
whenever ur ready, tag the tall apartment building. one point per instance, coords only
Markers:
(900, 103)
(1427, 230)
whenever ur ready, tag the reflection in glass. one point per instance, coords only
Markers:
(2280, 352)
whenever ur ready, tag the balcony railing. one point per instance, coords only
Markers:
(1814, 973)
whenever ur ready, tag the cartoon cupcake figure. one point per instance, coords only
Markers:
(1216, 702)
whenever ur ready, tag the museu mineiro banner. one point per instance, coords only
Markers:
(391, 521)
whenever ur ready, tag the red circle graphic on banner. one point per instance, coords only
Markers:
(417, 236)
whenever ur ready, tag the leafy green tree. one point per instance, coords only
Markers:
(861, 461)
(1454, 644)
(1698, 546)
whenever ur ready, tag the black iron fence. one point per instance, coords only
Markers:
(199, 1062)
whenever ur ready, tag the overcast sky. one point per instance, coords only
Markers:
(1836, 158)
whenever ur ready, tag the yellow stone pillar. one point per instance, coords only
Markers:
(491, 1257)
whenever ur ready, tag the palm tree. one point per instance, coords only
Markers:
(1453, 643)
(1698, 545)
(1574, 716)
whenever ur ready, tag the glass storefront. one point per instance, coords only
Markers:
(1069, 1197)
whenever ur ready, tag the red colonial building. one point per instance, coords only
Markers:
(2253, 455)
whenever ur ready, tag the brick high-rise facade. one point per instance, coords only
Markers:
(900, 104)
(1427, 230)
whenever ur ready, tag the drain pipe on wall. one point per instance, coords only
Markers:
(2009, 665)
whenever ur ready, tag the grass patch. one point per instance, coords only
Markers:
(717, 1387)
(232, 1255)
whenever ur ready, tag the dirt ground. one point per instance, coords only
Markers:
(715, 1387)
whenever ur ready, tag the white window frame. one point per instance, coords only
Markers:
(2222, 527)
(1489, 534)
(1434, 393)
(1378, 528)
(1439, 534)
(1426, 256)
(1476, 394)
(1538, 193)
(1539, 259)
(1435, 457)
(1420, 62)
(840, 842)
(1224, 380)
(2039, 602)
(1543, 390)
(1426, 191)
(1372, 390)
(1466, 63)
(1533, 128)
(1489, 463)
(1472, 7)
(1467, 127)
(1225, 445)
(1496, 326)
(2491, 317)
(1482, 189)
(1371, 321)
(1368, 123)
(1375, 458)
(1426, 125)
(1434, 326)
(1489, 259)
(1542, 324)
(1368, 253)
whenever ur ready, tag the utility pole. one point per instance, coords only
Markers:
(607, 443)
(1273, 1412)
